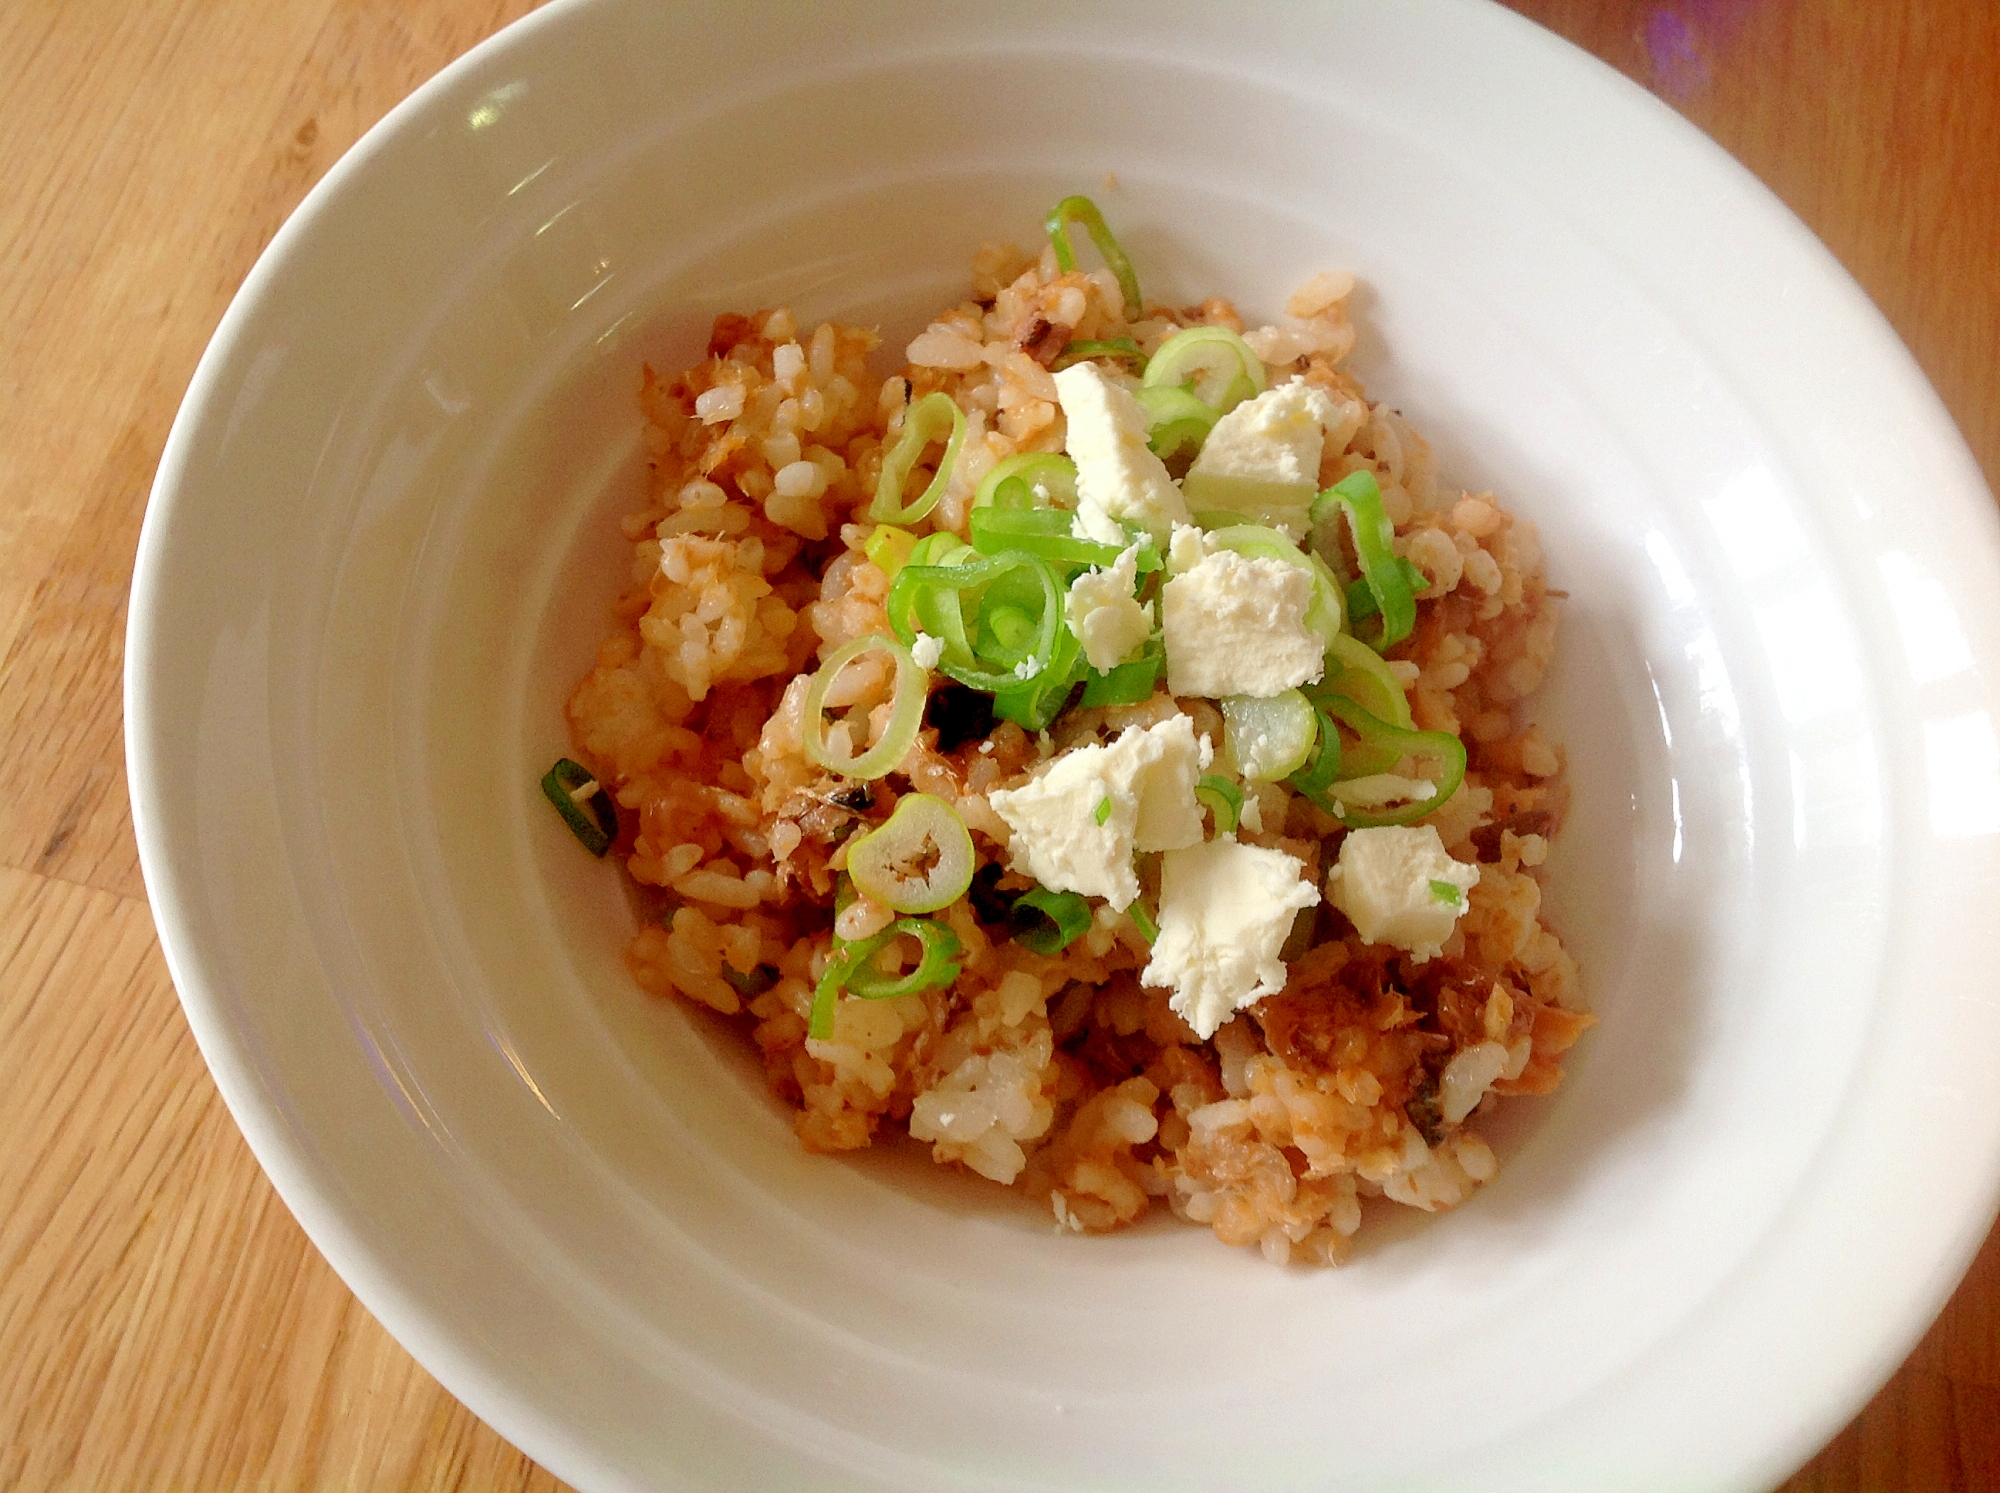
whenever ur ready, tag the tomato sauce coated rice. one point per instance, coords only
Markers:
(1365, 1078)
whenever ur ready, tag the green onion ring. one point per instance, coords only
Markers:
(558, 784)
(1219, 364)
(1061, 918)
(1083, 210)
(1374, 546)
(916, 587)
(880, 863)
(1013, 480)
(911, 690)
(1224, 799)
(852, 969)
(1176, 422)
(933, 418)
(1113, 347)
(1374, 731)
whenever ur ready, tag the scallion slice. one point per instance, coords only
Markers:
(917, 860)
(1448, 892)
(1374, 546)
(1143, 920)
(564, 784)
(889, 548)
(1213, 363)
(1176, 422)
(1111, 347)
(1047, 532)
(1224, 799)
(1269, 737)
(926, 594)
(1053, 921)
(1083, 210)
(1129, 683)
(933, 418)
(905, 716)
(1358, 672)
(1029, 479)
(1378, 737)
(854, 971)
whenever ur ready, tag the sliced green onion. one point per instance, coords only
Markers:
(1030, 479)
(1316, 777)
(1055, 920)
(1448, 892)
(1361, 597)
(1224, 799)
(561, 784)
(1129, 683)
(889, 548)
(1036, 701)
(905, 716)
(1083, 210)
(935, 417)
(922, 594)
(1269, 737)
(1176, 422)
(1103, 814)
(1218, 364)
(1148, 929)
(1374, 732)
(1113, 347)
(918, 860)
(1374, 546)
(1047, 532)
(1359, 673)
(853, 970)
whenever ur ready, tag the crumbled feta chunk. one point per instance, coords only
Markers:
(1106, 617)
(1118, 478)
(927, 650)
(1398, 885)
(1262, 458)
(1147, 777)
(1236, 626)
(1225, 911)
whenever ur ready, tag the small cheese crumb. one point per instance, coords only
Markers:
(1106, 617)
(1236, 626)
(1225, 911)
(927, 650)
(1146, 775)
(1387, 883)
(1262, 458)
(1118, 478)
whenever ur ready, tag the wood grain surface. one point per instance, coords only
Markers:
(163, 1322)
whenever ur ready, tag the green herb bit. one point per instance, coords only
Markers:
(1103, 814)
(1083, 210)
(853, 970)
(1053, 921)
(1447, 892)
(569, 785)
(1148, 929)
(933, 418)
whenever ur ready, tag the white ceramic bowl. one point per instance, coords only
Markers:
(379, 548)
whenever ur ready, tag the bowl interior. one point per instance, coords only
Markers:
(580, 1205)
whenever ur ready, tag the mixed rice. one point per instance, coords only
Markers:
(1067, 1073)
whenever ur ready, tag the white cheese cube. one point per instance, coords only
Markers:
(1225, 911)
(1399, 886)
(1118, 478)
(1076, 826)
(1233, 625)
(1262, 458)
(1106, 617)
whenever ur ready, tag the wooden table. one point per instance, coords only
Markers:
(163, 1322)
